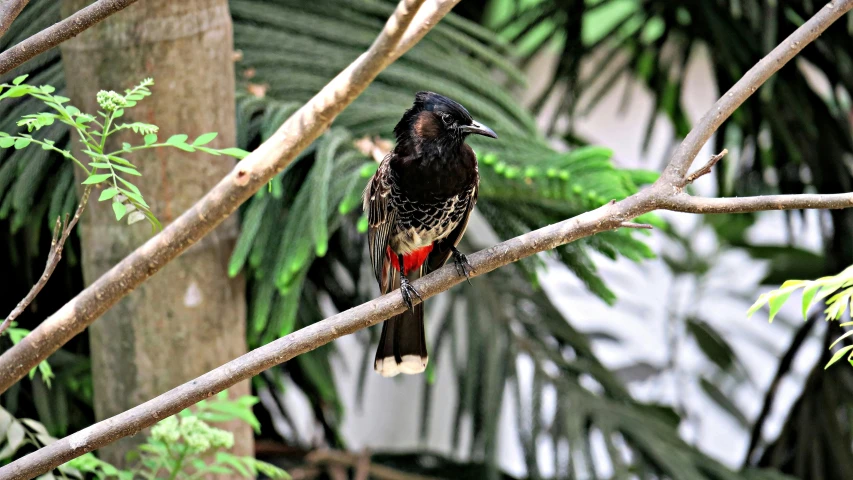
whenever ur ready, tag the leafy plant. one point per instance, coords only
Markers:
(109, 169)
(16, 334)
(838, 291)
(182, 446)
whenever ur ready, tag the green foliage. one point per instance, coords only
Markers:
(109, 169)
(836, 289)
(16, 334)
(182, 446)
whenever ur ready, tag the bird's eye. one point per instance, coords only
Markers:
(447, 119)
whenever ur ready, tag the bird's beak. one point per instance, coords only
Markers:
(478, 128)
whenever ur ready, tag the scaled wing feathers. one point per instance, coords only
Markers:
(380, 219)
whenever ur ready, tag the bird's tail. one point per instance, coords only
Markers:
(402, 345)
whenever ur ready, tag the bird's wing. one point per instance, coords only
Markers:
(380, 218)
(442, 249)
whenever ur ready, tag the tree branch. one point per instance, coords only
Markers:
(9, 11)
(706, 169)
(248, 176)
(60, 235)
(675, 173)
(56, 33)
(299, 131)
(681, 202)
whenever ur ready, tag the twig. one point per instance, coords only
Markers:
(682, 202)
(272, 156)
(784, 367)
(362, 467)
(706, 169)
(644, 226)
(9, 11)
(61, 230)
(59, 32)
(347, 459)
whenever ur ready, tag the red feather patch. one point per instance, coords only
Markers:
(411, 261)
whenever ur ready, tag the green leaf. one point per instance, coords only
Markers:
(808, 296)
(150, 139)
(838, 355)
(120, 161)
(185, 147)
(99, 164)
(97, 178)
(22, 143)
(204, 139)
(846, 334)
(17, 91)
(108, 194)
(135, 197)
(6, 142)
(776, 303)
(130, 186)
(19, 80)
(129, 170)
(235, 152)
(119, 210)
(177, 140)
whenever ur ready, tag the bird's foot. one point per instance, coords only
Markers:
(462, 265)
(408, 291)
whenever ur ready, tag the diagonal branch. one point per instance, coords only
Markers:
(60, 235)
(58, 32)
(676, 171)
(9, 11)
(248, 176)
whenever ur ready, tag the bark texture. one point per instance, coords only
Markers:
(190, 317)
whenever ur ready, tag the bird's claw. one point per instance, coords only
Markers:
(407, 290)
(463, 268)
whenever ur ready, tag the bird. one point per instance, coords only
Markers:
(418, 203)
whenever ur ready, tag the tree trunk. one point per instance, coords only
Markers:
(190, 317)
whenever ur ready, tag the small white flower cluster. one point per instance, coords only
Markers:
(111, 101)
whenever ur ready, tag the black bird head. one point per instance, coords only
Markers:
(437, 120)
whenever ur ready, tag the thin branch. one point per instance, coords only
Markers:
(681, 202)
(9, 11)
(706, 169)
(60, 235)
(248, 176)
(781, 370)
(60, 32)
(272, 156)
(644, 226)
(361, 462)
(676, 171)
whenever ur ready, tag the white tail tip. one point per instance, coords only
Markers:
(411, 365)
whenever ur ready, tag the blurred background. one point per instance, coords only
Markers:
(625, 355)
